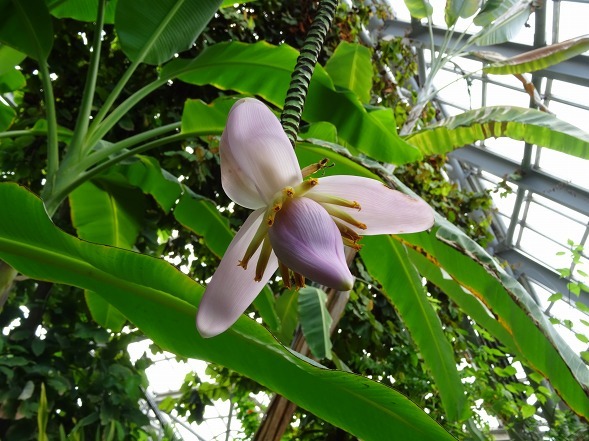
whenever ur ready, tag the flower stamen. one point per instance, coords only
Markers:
(263, 259)
(314, 168)
(260, 235)
(346, 231)
(305, 186)
(334, 200)
(285, 274)
(343, 215)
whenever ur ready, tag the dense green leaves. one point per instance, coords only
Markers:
(528, 125)
(153, 31)
(387, 262)
(26, 27)
(144, 288)
(350, 67)
(264, 70)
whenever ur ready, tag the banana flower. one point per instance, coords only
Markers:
(299, 225)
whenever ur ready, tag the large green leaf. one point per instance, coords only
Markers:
(107, 214)
(350, 67)
(152, 31)
(386, 260)
(26, 27)
(160, 300)
(518, 123)
(315, 321)
(540, 58)
(535, 338)
(430, 268)
(460, 8)
(505, 27)
(265, 70)
(419, 8)
(82, 10)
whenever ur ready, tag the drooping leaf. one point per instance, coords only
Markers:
(82, 10)
(539, 344)
(350, 67)
(429, 267)
(460, 8)
(315, 321)
(111, 215)
(264, 70)
(387, 261)
(518, 123)
(540, 58)
(493, 9)
(419, 8)
(152, 31)
(160, 300)
(26, 27)
(505, 27)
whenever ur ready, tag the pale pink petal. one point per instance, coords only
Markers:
(237, 185)
(305, 239)
(232, 289)
(384, 211)
(256, 154)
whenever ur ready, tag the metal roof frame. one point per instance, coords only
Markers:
(524, 174)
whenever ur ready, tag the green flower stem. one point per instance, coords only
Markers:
(19, 133)
(303, 71)
(98, 130)
(76, 146)
(65, 189)
(125, 78)
(102, 154)
(52, 144)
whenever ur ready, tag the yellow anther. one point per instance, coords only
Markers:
(289, 192)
